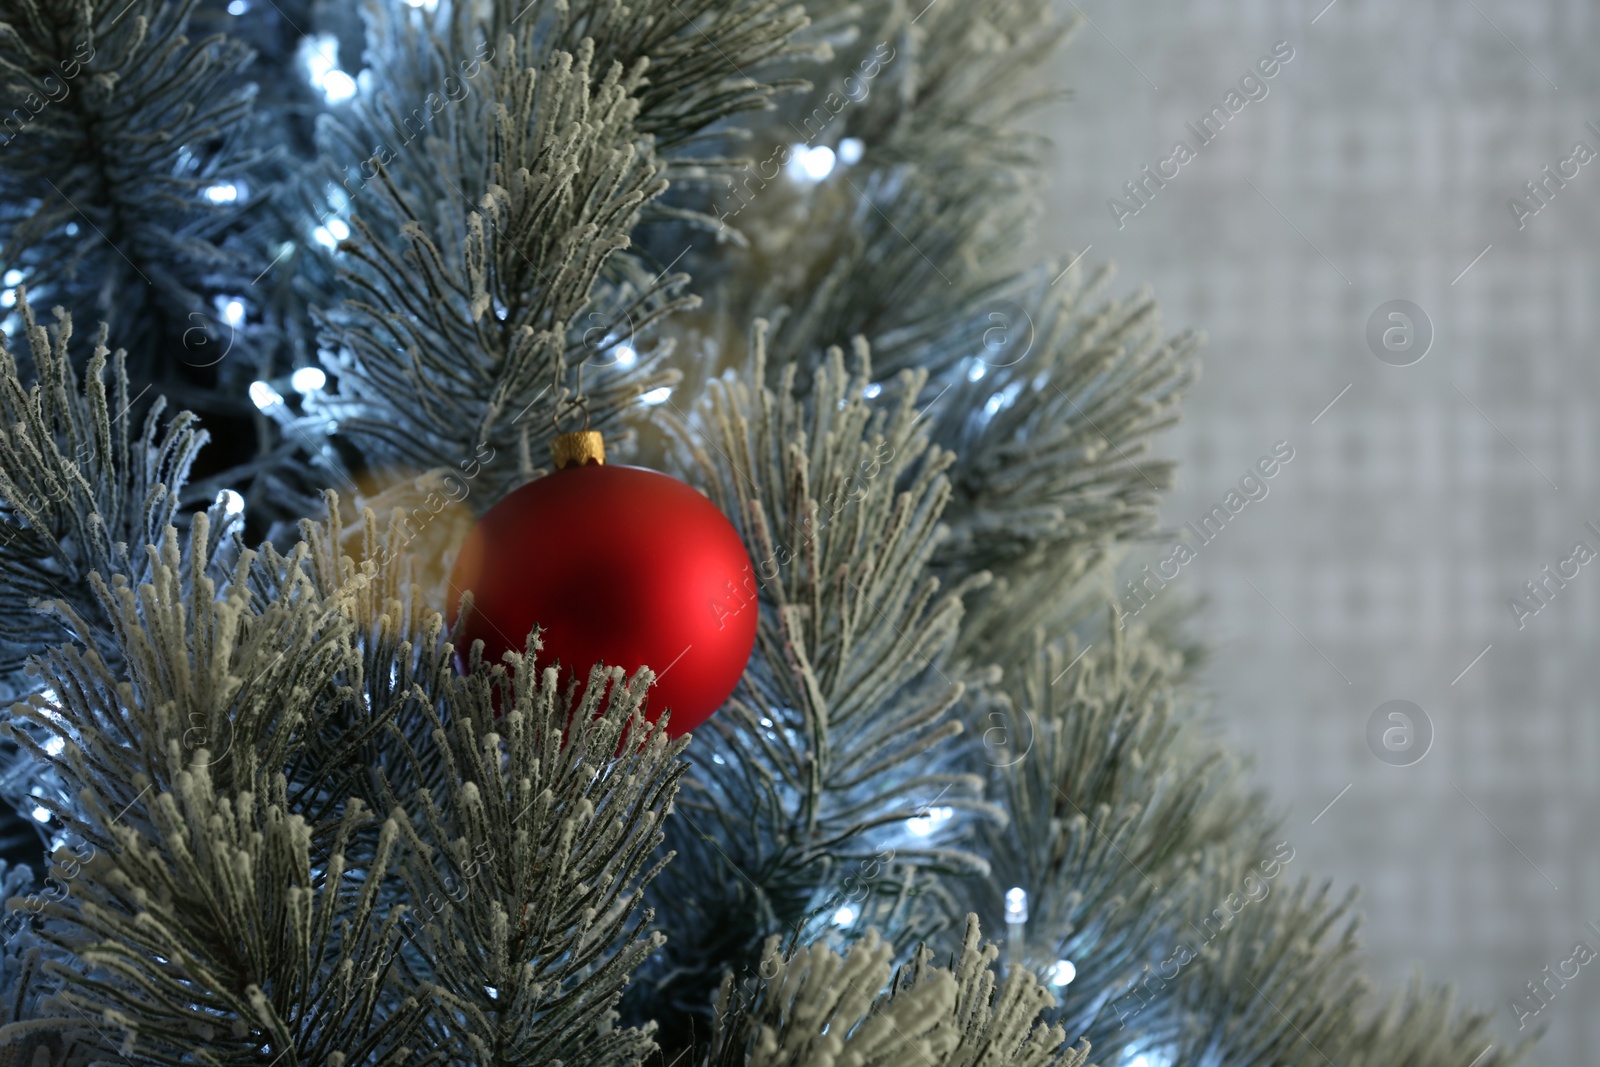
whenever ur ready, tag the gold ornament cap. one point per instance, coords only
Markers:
(578, 449)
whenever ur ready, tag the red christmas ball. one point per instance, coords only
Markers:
(620, 565)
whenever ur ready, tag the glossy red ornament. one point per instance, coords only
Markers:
(620, 565)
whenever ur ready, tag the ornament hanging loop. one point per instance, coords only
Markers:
(576, 401)
(566, 407)
(577, 448)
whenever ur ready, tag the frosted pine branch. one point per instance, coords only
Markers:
(842, 728)
(814, 1005)
(78, 484)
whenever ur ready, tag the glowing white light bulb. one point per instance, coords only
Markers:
(850, 150)
(810, 164)
(844, 916)
(656, 396)
(1151, 1058)
(975, 373)
(1062, 972)
(338, 86)
(1016, 905)
(54, 746)
(42, 814)
(13, 277)
(338, 228)
(233, 312)
(222, 193)
(320, 54)
(872, 390)
(925, 824)
(232, 503)
(264, 396)
(626, 356)
(238, 7)
(819, 163)
(308, 379)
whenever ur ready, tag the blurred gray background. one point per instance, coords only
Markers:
(1379, 167)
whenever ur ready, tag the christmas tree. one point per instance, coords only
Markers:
(340, 279)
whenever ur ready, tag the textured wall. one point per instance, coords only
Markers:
(1379, 166)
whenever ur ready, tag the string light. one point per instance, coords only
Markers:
(264, 396)
(810, 164)
(320, 54)
(1016, 924)
(925, 824)
(1016, 905)
(1148, 1058)
(308, 379)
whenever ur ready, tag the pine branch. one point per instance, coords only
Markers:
(517, 213)
(1281, 984)
(1047, 402)
(841, 728)
(1054, 439)
(1112, 795)
(462, 340)
(116, 123)
(209, 918)
(217, 935)
(77, 486)
(542, 835)
(1421, 1025)
(815, 1006)
(243, 901)
(22, 959)
(907, 245)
